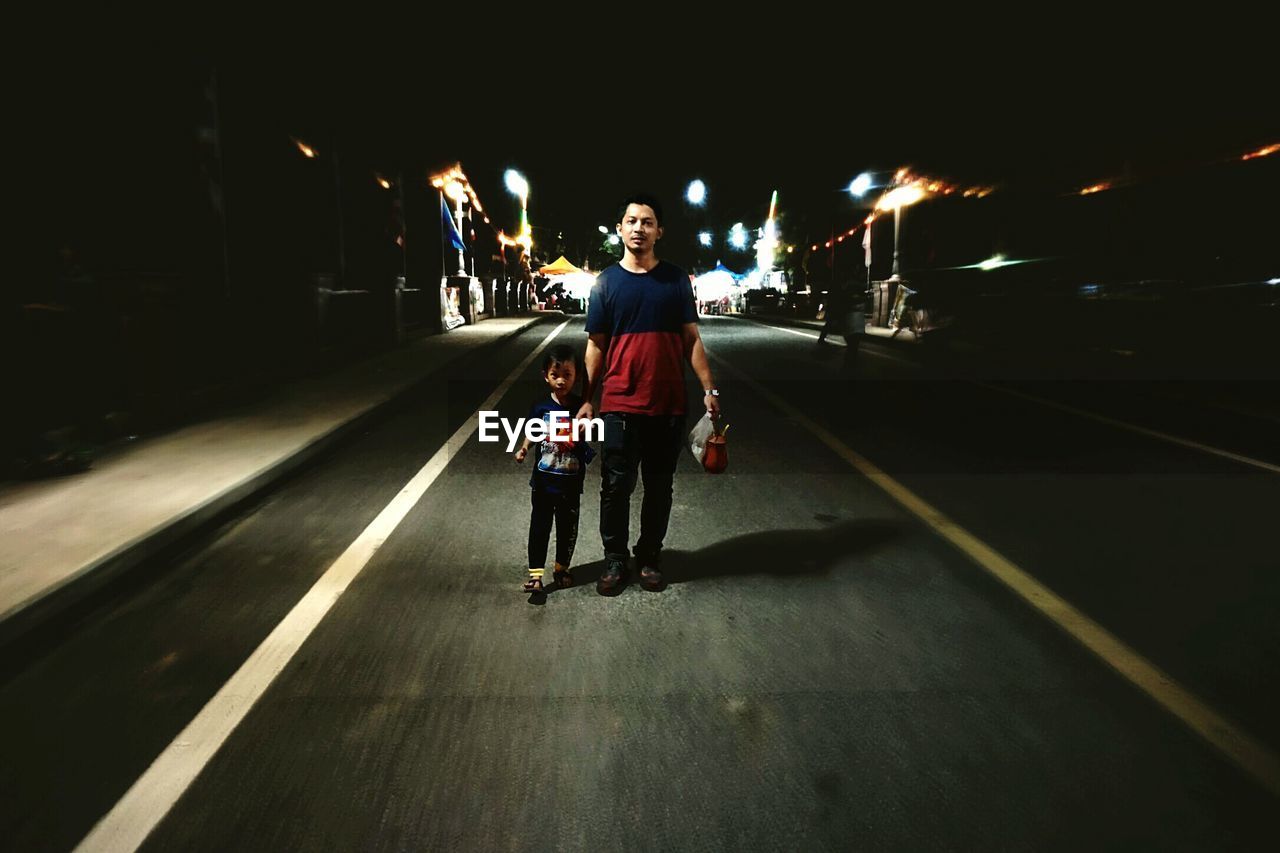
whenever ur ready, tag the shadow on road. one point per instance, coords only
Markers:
(771, 552)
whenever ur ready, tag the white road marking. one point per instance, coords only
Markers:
(145, 804)
(1084, 413)
(1140, 430)
(830, 339)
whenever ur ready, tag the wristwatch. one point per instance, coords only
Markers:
(711, 392)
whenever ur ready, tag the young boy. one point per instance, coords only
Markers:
(558, 473)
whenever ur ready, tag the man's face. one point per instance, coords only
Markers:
(639, 229)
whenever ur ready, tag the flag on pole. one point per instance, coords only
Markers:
(450, 227)
(866, 246)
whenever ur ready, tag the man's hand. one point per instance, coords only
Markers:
(520, 454)
(697, 356)
(597, 346)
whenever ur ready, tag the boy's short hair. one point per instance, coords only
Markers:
(559, 354)
(641, 198)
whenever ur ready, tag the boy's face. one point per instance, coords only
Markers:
(560, 376)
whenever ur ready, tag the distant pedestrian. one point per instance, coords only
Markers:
(836, 306)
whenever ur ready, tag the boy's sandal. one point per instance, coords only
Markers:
(563, 578)
(533, 584)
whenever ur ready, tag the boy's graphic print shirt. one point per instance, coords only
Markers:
(560, 466)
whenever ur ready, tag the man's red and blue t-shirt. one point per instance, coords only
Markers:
(644, 316)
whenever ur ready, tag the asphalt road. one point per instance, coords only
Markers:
(824, 671)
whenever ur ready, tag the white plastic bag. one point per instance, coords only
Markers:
(698, 436)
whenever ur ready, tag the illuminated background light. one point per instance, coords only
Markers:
(697, 192)
(516, 184)
(900, 197)
(1262, 152)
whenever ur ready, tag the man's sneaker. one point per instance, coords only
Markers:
(613, 579)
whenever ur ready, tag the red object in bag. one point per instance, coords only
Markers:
(716, 457)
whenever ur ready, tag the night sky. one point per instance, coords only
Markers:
(589, 133)
(588, 125)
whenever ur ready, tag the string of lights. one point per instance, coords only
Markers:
(906, 188)
(921, 187)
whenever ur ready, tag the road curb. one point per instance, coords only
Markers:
(27, 621)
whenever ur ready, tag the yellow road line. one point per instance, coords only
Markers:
(1247, 753)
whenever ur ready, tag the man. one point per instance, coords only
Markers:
(642, 326)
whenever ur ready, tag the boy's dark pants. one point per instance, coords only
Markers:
(563, 509)
(650, 443)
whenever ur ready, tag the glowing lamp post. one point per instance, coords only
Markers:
(519, 187)
(768, 243)
(895, 200)
(454, 191)
(462, 297)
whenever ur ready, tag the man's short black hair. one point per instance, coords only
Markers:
(641, 198)
(559, 354)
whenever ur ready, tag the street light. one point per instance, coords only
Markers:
(768, 243)
(896, 199)
(454, 190)
(738, 236)
(518, 186)
(858, 186)
(697, 192)
(704, 237)
(604, 235)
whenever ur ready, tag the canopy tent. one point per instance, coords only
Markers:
(560, 266)
(715, 285)
(720, 267)
(577, 282)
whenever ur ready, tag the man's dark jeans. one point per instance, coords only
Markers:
(652, 444)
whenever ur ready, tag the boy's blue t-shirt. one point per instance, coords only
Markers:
(558, 470)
